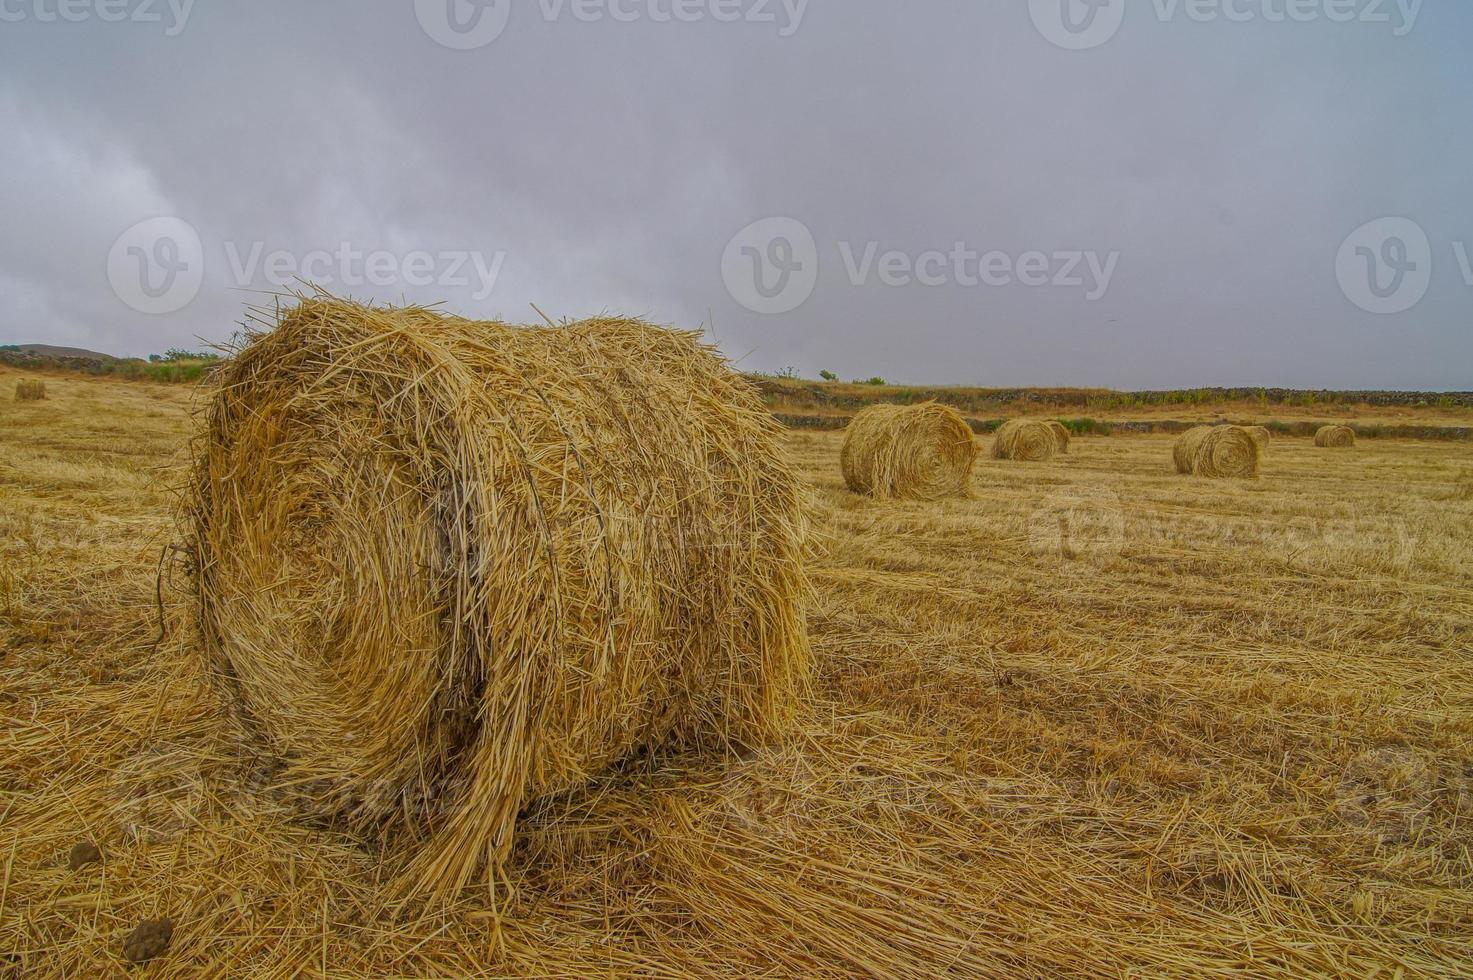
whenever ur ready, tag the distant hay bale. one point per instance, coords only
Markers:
(1261, 435)
(915, 452)
(1217, 451)
(1025, 439)
(30, 391)
(448, 567)
(1061, 434)
(1335, 437)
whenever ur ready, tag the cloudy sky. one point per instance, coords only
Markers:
(1123, 193)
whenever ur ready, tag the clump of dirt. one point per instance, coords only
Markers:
(149, 939)
(84, 852)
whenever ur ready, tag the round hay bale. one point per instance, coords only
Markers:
(1025, 439)
(1061, 434)
(30, 390)
(915, 452)
(1217, 451)
(447, 567)
(1261, 435)
(1335, 437)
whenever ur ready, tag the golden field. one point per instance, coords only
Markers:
(797, 397)
(1099, 719)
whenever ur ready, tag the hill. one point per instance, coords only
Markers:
(51, 350)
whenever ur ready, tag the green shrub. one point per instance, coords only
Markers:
(1087, 427)
(166, 371)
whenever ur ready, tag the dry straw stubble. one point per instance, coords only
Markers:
(448, 567)
(1217, 451)
(1335, 437)
(1011, 766)
(911, 452)
(1025, 439)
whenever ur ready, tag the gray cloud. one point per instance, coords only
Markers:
(611, 163)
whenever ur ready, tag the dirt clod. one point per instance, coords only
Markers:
(84, 852)
(149, 939)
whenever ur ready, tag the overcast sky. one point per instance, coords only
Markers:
(965, 191)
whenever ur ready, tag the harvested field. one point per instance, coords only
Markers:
(1099, 720)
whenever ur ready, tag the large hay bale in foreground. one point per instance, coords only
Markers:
(447, 567)
(1260, 434)
(30, 391)
(915, 452)
(1217, 451)
(1061, 434)
(1025, 439)
(1335, 437)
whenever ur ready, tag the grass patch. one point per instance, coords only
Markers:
(1087, 427)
